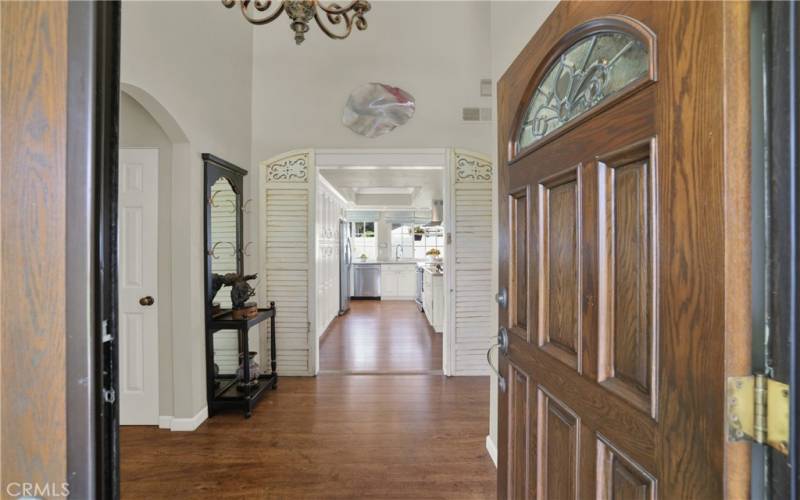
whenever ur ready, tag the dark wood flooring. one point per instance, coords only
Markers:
(333, 436)
(419, 436)
(381, 337)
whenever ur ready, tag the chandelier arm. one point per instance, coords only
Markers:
(260, 6)
(335, 8)
(334, 19)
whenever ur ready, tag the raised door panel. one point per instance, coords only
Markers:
(628, 333)
(520, 478)
(620, 478)
(559, 234)
(521, 302)
(557, 455)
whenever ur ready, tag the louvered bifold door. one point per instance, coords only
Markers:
(470, 264)
(287, 191)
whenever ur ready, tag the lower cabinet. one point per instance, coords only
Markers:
(433, 300)
(398, 281)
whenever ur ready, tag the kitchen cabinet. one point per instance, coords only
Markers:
(433, 299)
(398, 281)
(329, 210)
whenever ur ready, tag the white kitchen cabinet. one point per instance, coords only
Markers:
(433, 300)
(398, 281)
(407, 282)
(329, 209)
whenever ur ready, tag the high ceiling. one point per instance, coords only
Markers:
(387, 186)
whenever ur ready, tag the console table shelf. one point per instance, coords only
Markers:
(225, 321)
(223, 390)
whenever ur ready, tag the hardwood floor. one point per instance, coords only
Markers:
(334, 436)
(338, 435)
(381, 337)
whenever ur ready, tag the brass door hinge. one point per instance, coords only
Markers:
(758, 409)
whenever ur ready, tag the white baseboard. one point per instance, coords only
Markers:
(164, 422)
(188, 424)
(491, 447)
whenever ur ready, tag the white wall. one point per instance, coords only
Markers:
(138, 129)
(192, 62)
(513, 23)
(437, 51)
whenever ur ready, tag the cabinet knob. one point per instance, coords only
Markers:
(147, 301)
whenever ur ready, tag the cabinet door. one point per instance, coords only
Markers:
(389, 282)
(407, 286)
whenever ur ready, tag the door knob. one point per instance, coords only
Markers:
(502, 298)
(502, 340)
(147, 301)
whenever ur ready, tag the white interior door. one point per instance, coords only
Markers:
(138, 281)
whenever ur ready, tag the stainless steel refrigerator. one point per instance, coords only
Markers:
(345, 264)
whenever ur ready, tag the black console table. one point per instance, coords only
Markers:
(223, 390)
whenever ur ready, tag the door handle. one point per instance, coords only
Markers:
(147, 301)
(502, 345)
(501, 381)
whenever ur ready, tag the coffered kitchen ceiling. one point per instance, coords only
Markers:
(387, 186)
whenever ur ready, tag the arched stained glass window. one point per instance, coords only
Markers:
(588, 72)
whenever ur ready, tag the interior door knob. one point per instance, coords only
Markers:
(147, 301)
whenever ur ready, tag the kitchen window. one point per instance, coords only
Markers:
(416, 241)
(364, 240)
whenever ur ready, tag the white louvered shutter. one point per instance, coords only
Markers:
(287, 188)
(470, 263)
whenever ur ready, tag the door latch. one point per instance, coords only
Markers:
(758, 410)
(109, 396)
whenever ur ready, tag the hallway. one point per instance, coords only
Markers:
(408, 434)
(381, 337)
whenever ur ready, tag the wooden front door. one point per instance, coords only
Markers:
(620, 234)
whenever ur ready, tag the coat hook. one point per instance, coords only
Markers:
(246, 205)
(212, 202)
(213, 250)
(245, 252)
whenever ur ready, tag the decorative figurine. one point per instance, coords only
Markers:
(241, 290)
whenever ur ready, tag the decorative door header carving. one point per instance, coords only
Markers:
(471, 168)
(292, 168)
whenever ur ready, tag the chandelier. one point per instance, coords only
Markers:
(341, 19)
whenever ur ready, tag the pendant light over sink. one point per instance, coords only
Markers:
(341, 19)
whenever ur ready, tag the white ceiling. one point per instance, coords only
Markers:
(387, 186)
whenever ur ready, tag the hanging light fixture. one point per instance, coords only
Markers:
(302, 11)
